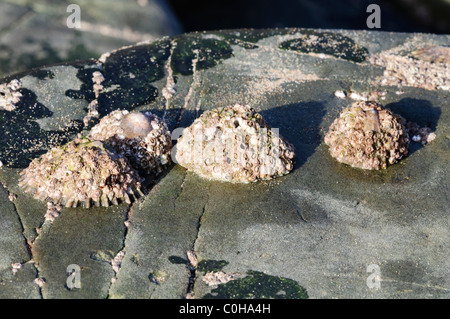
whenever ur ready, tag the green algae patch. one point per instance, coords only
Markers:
(177, 260)
(328, 43)
(137, 63)
(158, 276)
(211, 265)
(257, 285)
(128, 75)
(208, 52)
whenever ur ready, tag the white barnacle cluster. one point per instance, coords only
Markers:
(423, 135)
(97, 79)
(142, 138)
(10, 95)
(234, 144)
(368, 136)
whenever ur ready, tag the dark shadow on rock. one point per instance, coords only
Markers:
(22, 139)
(150, 180)
(29, 107)
(299, 124)
(419, 111)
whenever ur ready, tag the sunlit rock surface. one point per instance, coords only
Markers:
(315, 232)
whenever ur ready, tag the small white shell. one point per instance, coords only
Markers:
(340, 94)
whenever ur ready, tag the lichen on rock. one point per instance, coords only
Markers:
(82, 172)
(234, 144)
(368, 136)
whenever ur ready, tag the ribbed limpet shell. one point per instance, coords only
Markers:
(82, 172)
(368, 136)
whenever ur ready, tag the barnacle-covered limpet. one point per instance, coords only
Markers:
(143, 138)
(234, 144)
(82, 172)
(368, 136)
(426, 67)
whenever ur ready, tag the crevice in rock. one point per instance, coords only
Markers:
(181, 188)
(192, 256)
(53, 212)
(27, 242)
(28, 247)
(195, 82)
(169, 89)
(116, 262)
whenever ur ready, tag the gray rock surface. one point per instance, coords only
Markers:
(36, 33)
(316, 232)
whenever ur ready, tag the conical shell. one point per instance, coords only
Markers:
(368, 136)
(82, 172)
(234, 144)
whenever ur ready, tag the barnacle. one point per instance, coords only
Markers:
(368, 136)
(82, 172)
(234, 144)
(10, 95)
(143, 138)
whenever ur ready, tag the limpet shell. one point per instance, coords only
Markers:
(368, 136)
(234, 144)
(82, 172)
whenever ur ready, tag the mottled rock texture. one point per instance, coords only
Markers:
(316, 232)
